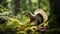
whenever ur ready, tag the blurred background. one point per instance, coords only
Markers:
(13, 20)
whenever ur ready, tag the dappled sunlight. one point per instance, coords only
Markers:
(29, 17)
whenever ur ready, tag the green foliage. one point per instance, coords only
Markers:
(10, 24)
(6, 28)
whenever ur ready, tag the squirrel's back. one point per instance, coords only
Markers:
(42, 13)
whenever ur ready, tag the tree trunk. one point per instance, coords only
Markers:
(55, 9)
(39, 3)
(17, 7)
(30, 5)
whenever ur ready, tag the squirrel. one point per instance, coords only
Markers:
(38, 17)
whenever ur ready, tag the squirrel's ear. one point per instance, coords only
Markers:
(28, 11)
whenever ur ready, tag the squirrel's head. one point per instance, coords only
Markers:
(28, 14)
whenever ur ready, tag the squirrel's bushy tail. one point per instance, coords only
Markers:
(42, 13)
